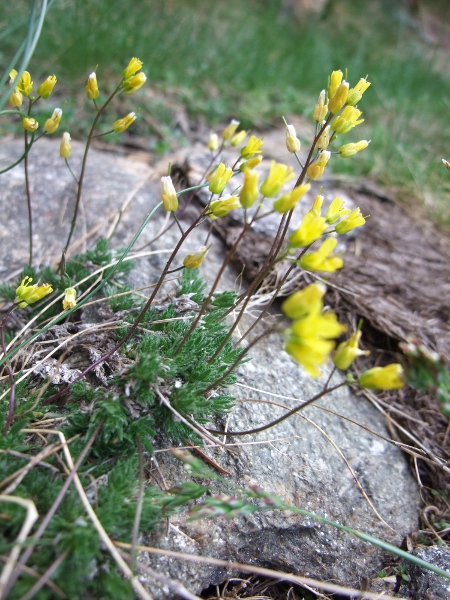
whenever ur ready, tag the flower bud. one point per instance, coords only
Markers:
(169, 194)
(335, 82)
(46, 88)
(288, 201)
(324, 141)
(133, 67)
(221, 207)
(250, 164)
(29, 124)
(133, 83)
(292, 141)
(317, 205)
(347, 352)
(348, 150)
(321, 109)
(52, 124)
(238, 138)
(390, 377)
(218, 178)
(446, 163)
(16, 99)
(121, 124)
(69, 300)
(213, 142)
(339, 99)
(322, 259)
(92, 87)
(355, 94)
(249, 191)
(193, 261)
(65, 150)
(230, 130)
(310, 230)
(279, 174)
(302, 303)
(316, 169)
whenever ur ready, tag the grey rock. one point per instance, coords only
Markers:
(305, 460)
(424, 584)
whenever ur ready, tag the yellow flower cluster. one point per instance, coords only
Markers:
(311, 335)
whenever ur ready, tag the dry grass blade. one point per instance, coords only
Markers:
(30, 519)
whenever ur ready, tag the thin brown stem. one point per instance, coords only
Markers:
(325, 390)
(28, 195)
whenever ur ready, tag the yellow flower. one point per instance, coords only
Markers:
(348, 119)
(324, 141)
(169, 194)
(336, 210)
(65, 150)
(321, 109)
(279, 174)
(249, 191)
(311, 353)
(355, 94)
(238, 138)
(292, 141)
(301, 303)
(213, 142)
(25, 85)
(390, 377)
(322, 259)
(347, 352)
(193, 261)
(218, 178)
(317, 205)
(310, 342)
(339, 99)
(250, 164)
(133, 67)
(92, 87)
(316, 169)
(133, 83)
(29, 124)
(16, 99)
(355, 219)
(52, 124)
(46, 88)
(335, 82)
(310, 230)
(69, 300)
(29, 294)
(230, 130)
(12, 76)
(220, 208)
(121, 124)
(348, 150)
(253, 147)
(288, 201)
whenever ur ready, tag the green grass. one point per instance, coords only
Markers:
(248, 60)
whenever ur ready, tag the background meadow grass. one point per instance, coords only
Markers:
(253, 61)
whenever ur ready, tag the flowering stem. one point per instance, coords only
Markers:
(28, 194)
(10, 372)
(325, 390)
(73, 175)
(83, 166)
(214, 286)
